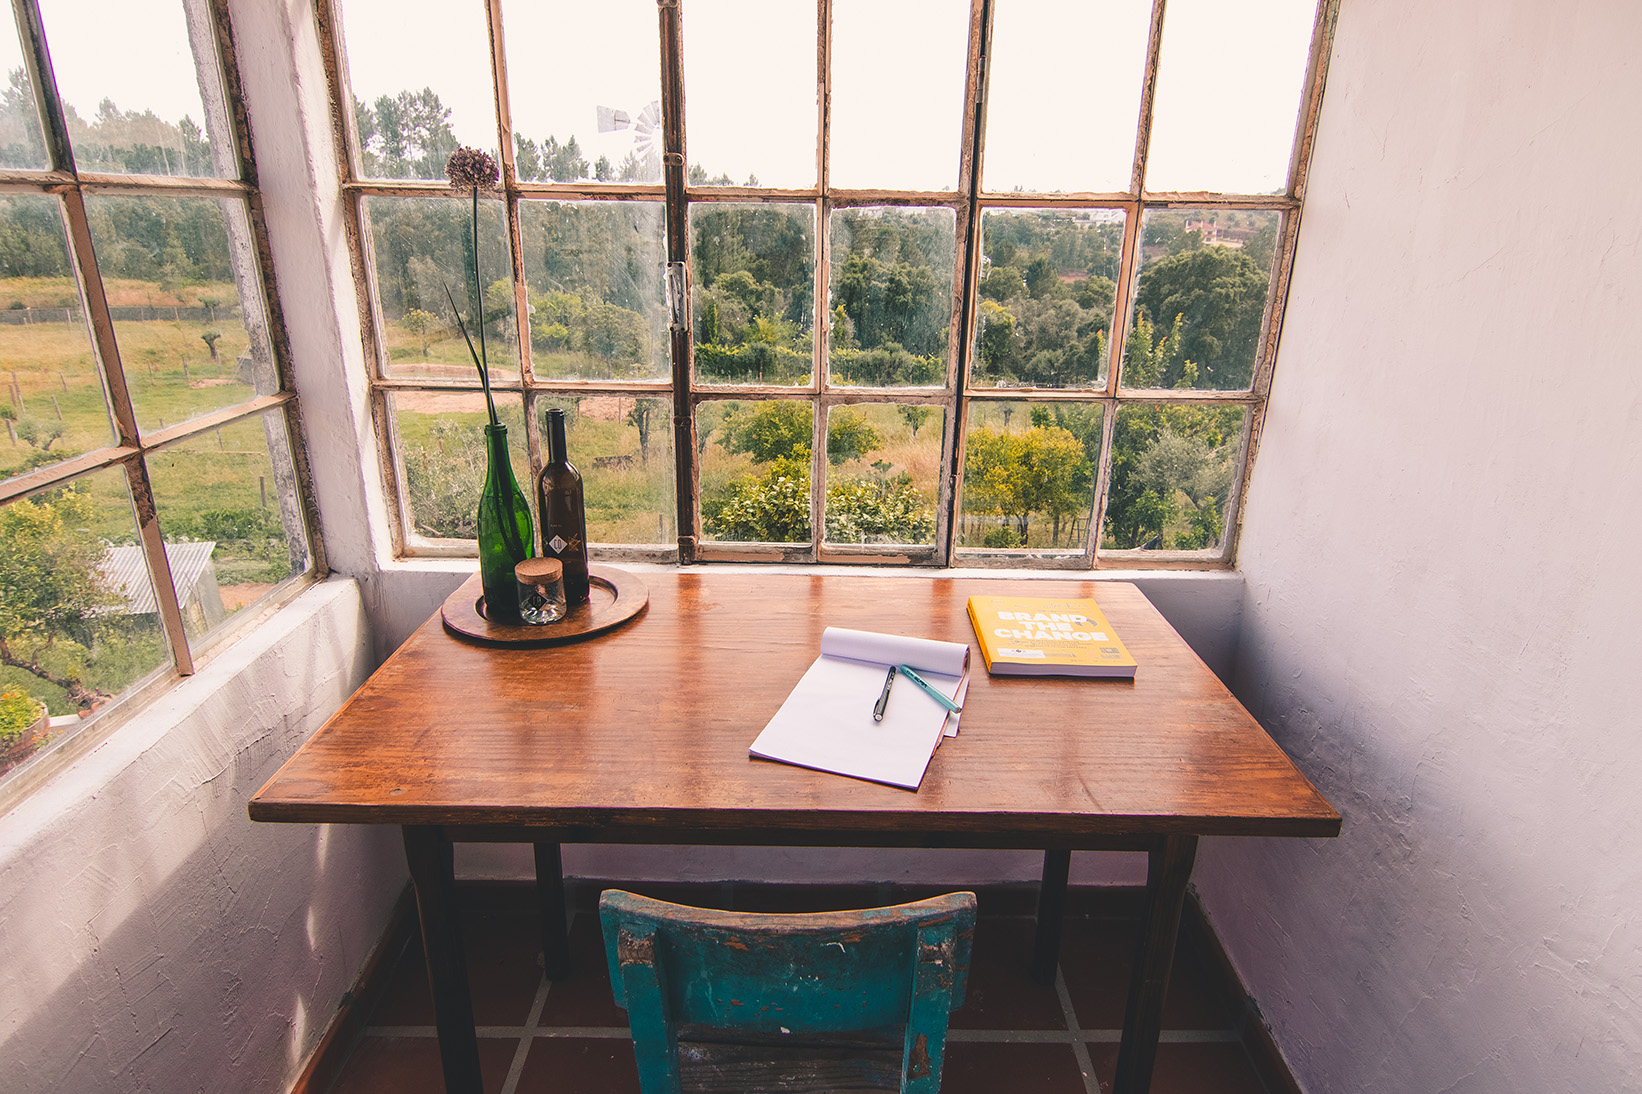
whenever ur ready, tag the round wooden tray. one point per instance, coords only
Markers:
(614, 597)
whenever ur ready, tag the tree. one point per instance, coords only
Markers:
(1219, 294)
(770, 430)
(409, 135)
(850, 436)
(914, 417)
(419, 323)
(1016, 475)
(210, 339)
(51, 588)
(639, 417)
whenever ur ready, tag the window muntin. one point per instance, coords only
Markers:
(150, 484)
(1052, 267)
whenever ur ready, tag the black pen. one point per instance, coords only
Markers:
(883, 699)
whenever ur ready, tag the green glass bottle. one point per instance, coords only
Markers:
(506, 536)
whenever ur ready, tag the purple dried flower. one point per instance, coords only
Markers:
(471, 169)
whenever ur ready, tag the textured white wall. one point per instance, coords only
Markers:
(1442, 613)
(154, 938)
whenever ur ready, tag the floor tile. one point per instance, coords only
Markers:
(575, 1065)
(1096, 958)
(410, 1065)
(1010, 1069)
(1002, 993)
(503, 951)
(1214, 1068)
(583, 998)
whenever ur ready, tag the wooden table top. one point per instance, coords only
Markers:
(642, 734)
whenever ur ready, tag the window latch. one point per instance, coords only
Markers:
(676, 320)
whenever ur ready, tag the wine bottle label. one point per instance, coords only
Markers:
(557, 543)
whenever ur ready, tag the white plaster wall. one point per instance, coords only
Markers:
(154, 939)
(1441, 617)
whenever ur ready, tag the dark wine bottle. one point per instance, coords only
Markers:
(564, 517)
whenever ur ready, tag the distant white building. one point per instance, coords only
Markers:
(195, 576)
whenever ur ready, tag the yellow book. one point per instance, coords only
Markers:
(1042, 636)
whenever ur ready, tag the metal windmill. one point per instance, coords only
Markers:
(646, 136)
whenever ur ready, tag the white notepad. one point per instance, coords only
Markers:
(826, 723)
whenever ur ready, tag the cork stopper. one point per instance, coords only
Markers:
(538, 571)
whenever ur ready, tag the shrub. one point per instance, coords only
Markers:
(18, 711)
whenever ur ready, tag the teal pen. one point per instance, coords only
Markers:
(929, 689)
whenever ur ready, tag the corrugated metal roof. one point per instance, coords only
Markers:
(126, 572)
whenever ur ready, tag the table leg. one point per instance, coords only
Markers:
(1168, 866)
(550, 906)
(430, 855)
(1057, 864)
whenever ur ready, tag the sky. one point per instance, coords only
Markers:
(1063, 100)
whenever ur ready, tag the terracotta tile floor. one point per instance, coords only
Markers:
(568, 1037)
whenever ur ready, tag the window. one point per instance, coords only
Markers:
(150, 472)
(972, 282)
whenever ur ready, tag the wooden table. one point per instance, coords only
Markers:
(641, 735)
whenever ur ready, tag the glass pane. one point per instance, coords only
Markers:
(598, 309)
(145, 118)
(1048, 282)
(423, 249)
(1228, 95)
(228, 508)
(21, 145)
(898, 93)
(420, 75)
(1051, 52)
(755, 470)
(891, 296)
(190, 341)
(754, 292)
(883, 475)
(767, 139)
(79, 611)
(623, 447)
(1204, 279)
(54, 405)
(1029, 476)
(584, 88)
(441, 446)
(1172, 469)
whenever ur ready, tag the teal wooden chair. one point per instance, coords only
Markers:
(732, 1001)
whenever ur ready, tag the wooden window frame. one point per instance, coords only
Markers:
(969, 204)
(132, 447)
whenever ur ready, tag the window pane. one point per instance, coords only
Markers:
(1029, 475)
(891, 295)
(189, 342)
(767, 139)
(1228, 95)
(1048, 53)
(883, 474)
(623, 447)
(228, 507)
(440, 439)
(1048, 281)
(597, 306)
(584, 88)
(898, 93)
(754, 292)
(79, 610)
(1204, 279)
(420, 75)
(54, 404)
(21, 145)
(755, 470)
(146, 118)
(1172, 470)
(423, 247)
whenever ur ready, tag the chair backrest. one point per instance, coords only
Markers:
(776, 978)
